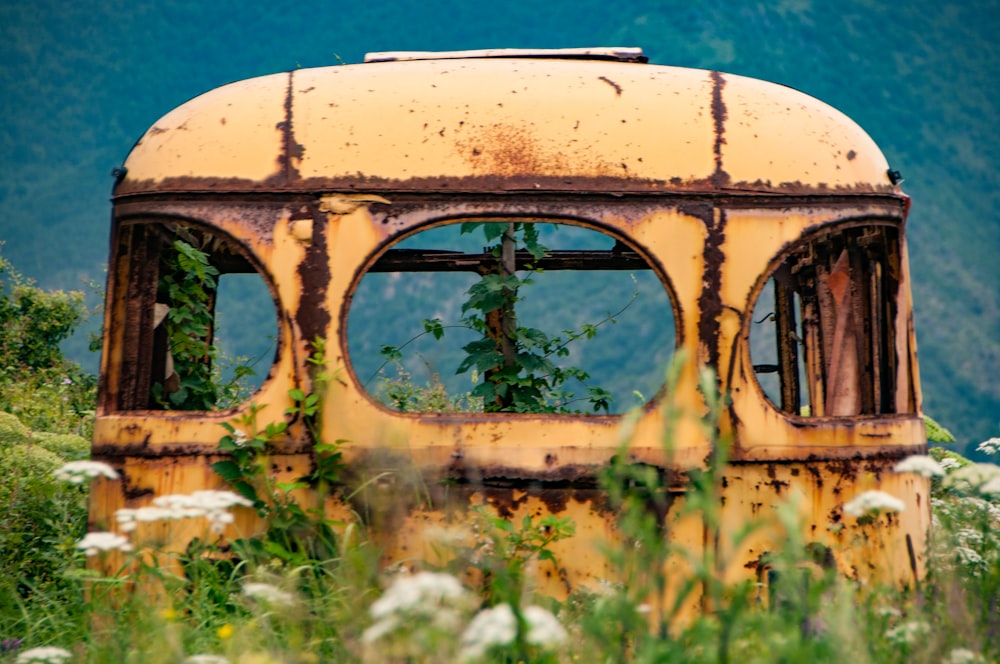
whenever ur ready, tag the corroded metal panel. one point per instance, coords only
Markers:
(489, 125)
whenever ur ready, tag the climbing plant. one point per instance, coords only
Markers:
(187, 286)
(515, 367)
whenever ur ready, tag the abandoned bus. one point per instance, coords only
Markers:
(764, 229)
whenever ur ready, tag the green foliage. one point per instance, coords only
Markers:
(515, 368)
(42, 520)
(66, 446)
(402, 394)
(937, 433)
(295, 535)
(517, 363)
(38, 386)
(33, 322)
(12, 432)
(187, 281)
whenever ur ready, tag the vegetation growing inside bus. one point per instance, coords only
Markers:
(177, 299)
(476, 334)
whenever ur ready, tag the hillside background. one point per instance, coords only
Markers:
(80, 81)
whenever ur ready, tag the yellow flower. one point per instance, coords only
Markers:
(169, 615)
(225, 631)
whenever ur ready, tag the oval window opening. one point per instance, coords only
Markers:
(200, 324)
(823, 333)
(511, 316)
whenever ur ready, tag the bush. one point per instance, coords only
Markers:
(38, 384)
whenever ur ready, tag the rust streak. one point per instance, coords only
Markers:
(719, 178)
(710, 299)
(618, 88)
(312, 316)
(291, 151)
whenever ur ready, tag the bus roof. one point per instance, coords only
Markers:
(502, 124)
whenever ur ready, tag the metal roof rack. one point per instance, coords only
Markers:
(614, 53)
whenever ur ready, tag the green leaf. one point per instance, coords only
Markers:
(247, 491)
(391, 353)
(227, 470)
(433, 326)
(503, 524)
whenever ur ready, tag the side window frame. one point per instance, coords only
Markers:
(835, 296)
(138, 337)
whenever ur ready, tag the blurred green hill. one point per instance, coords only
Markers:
(80, 81)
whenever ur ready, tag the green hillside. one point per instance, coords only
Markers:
(81, 81)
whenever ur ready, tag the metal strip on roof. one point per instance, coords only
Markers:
(617, 53)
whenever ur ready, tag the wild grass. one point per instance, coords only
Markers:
(208, 605)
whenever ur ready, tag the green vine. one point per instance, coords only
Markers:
(188, 281)
(295, 535)
(514, 366)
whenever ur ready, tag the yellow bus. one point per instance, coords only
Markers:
(770, 225)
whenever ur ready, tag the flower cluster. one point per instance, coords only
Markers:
(949, 463)
(94, 543)
(497, 626)
(870, 502)
(206, 659)
(44, 655)
(268, 594)
(982, 478)
(990, 446)
(213, 505)
(427, 596)
(963, 656)
(908, 633)
(921, 465)
(79, 472)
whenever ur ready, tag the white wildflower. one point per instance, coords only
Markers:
(991, 486)
(990, 446)
(908, 632)
(94, 543)
(972, 477)
(969, 557)
(200, 503)
(206, 659)
(963, 656)
(420, 592)
(873, 501)
(981, 506)
(213, 505)
(490, 627)
(889, 612)
(920, 465)
(239, 438)
(78, 472)
(44, 655)
(969, 536)
(219, 519)
(265, 592)
(949, 463)
(426, 596)
(544, 629)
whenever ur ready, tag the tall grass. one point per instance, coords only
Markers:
(206, 604)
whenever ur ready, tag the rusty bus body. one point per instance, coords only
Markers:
(729, 189)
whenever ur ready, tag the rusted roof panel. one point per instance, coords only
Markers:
(505, 124)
